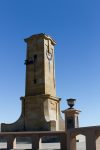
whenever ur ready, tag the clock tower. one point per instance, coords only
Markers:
(40, 106)
(40, 71)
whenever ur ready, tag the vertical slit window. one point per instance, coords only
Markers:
(35, 81)
(35, 57)
(35, 61)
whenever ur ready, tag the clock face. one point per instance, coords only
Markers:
(49, 54)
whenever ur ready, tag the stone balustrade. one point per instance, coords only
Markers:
(67, 140)
(35, 137)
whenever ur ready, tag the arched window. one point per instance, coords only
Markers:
(80, 142)
(98, 143)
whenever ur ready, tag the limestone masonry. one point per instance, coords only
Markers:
(40, 106)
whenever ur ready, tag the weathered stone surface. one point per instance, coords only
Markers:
(40, 106)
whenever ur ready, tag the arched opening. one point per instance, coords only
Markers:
(49, 142)
(23, 143)
(3, 143)
(80, 142)
(98, 143)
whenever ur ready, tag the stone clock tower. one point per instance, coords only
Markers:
(40, 106)
(40, 71)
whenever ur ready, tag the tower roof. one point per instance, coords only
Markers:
(43, 35)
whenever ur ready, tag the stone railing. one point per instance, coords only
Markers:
(35, 137)
(91, 134)
(67, 140)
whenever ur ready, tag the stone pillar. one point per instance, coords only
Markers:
(11, 143)
(63, 145)
(90, 140)
(35, 142)
(71, 142)
(71, 121)
(68, 141)
(71, 118)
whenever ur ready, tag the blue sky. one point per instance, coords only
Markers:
(75, 25)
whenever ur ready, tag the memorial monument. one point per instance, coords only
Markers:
(40, 105)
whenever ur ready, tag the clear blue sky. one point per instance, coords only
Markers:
(75, 25)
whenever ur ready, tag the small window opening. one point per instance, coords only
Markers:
(35, 57)
(35, 81)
